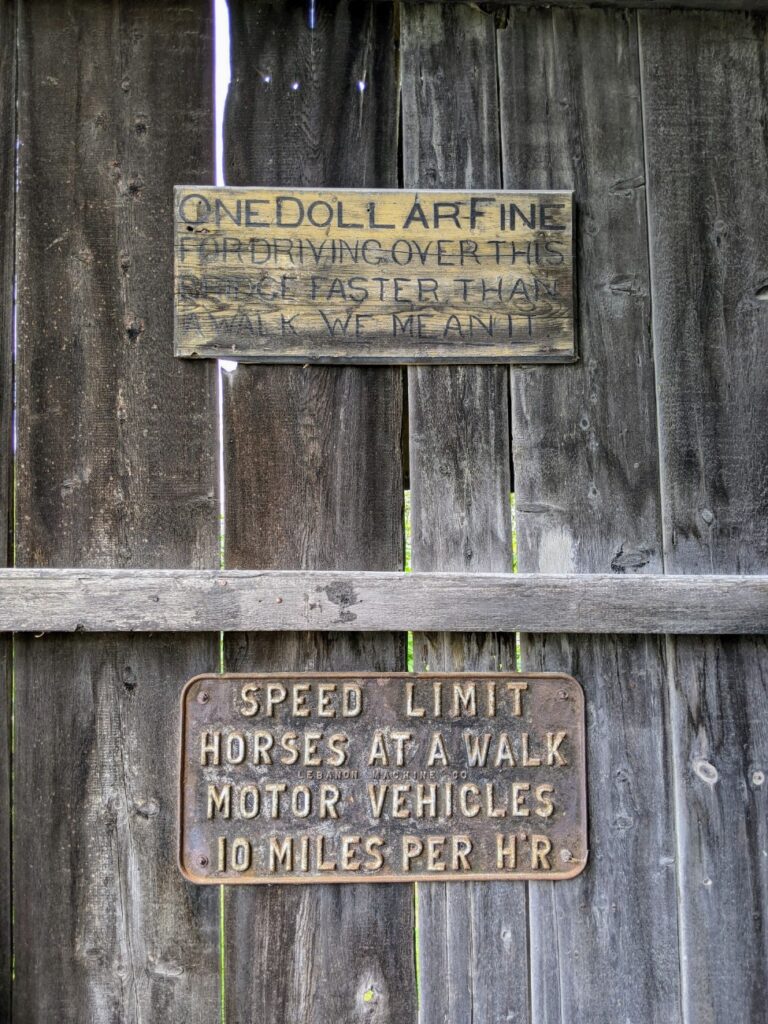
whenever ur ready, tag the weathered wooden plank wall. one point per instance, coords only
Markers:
(706, 107)
(722, 5)
(116, 466)
(460, 494)
(604, 946)
(314, 480)
(7, 198)
(648, 455)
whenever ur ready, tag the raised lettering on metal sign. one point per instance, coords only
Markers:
(353, 276)
(382, 778)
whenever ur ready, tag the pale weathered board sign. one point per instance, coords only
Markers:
(382, 777)
(389, 276)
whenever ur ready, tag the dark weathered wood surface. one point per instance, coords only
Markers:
(705, 113)
(604, 948)
(115, 467)
(7, 164)
(460, 493)
(102, 600)
(313, 479)
(660, 5)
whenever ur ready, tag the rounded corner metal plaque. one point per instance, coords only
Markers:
(382, 777)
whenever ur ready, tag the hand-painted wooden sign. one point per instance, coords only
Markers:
(382, 778)
(353, 276)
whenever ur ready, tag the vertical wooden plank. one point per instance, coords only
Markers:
(314, 480)
(705, 109)
(603, 946)
(116, 467)
(460, 494)
(7, 228)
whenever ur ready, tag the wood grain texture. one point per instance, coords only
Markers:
(460, 487)
(313, 479)
(722, 5)
(102, 600)
(7, 228)
(116, 467)
(604, 948)
(106, 929)
(705, 111)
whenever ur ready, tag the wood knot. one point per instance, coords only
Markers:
(706, 771)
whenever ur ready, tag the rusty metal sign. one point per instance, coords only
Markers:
(382, 777)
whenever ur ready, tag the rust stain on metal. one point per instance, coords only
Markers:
(382, 777)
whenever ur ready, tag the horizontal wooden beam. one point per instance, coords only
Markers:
(109, 600)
